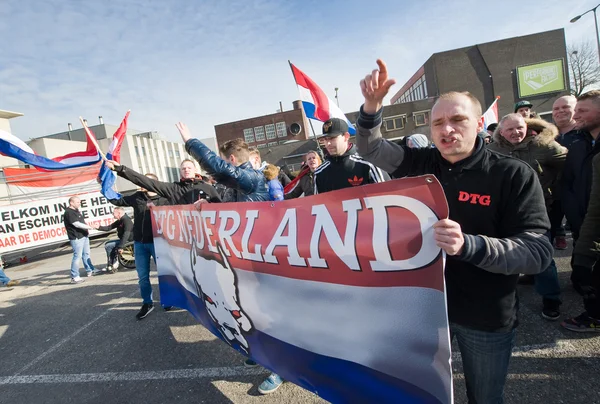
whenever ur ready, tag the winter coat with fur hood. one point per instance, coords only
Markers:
(540, 151)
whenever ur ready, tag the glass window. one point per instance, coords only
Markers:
(261, 146)
(143, 151)
(394, 122)
(281, 129)
(272, 144)
(137, 151)
(421, 118)
(270, 129)
(248, 135)
(259, 133)
(170, 153)
(177, 155)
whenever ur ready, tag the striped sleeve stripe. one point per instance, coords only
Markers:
(376, 173)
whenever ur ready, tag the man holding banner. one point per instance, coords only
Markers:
(495, 231)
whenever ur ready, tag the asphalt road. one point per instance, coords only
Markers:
(64, 343)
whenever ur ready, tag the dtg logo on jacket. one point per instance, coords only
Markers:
(483, 200)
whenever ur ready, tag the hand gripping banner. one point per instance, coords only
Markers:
(341, 293)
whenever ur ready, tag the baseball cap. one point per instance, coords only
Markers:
(522, 104)
(334, 127)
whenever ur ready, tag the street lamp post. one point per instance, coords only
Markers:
(336, 97)
(596, 22)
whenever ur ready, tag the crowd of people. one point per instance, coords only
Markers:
(533, 174)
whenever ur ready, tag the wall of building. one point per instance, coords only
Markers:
(489, 70)
(286, 119)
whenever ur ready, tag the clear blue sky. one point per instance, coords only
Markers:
(210, 62)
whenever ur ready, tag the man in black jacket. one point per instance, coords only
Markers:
(233, 169)
(495, 230)
(143, 240)
(577, 175)
(189, 189)
(343, 167)
(124, 227)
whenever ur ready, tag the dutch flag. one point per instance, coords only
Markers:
(107, 177)
(317, 105)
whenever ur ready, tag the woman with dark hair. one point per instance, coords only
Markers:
(303, 183)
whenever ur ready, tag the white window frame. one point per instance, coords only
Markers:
(424, 114)
(393, 119)
(281, 129)
(249, 135)
(259, 133)
(272, 133)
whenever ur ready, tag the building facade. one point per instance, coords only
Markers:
(268, 130)
(531, 67)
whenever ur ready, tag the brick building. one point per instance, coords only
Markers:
(531, 67)
(268, 130)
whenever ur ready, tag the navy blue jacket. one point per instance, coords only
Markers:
(248, 184)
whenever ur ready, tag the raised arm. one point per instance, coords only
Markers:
(371, 146)
(164, 189)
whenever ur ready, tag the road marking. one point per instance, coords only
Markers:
(66, 339)
(198, 373)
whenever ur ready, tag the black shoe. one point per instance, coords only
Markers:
(526, 280)
(551, 309)
(167, 308)
(144, 311)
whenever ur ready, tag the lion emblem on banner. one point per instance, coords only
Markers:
(216, 285)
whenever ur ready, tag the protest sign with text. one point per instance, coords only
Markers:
(326, 290)
(38, 223)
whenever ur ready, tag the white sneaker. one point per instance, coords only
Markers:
(115, 264)
(77, 280)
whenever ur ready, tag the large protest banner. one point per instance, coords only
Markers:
(38, 223)
(341, 293)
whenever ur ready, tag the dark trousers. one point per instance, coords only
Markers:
(556, 216)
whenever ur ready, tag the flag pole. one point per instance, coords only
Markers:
(92, 139)
(321, 154)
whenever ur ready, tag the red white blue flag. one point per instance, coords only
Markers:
(317, 105)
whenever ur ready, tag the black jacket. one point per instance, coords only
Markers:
(499, 204)
(577, 180)
(71, 216)
(183, 192)
(142, 222)
(249, 185)
(572, 136)
(347, 170)
(305, 185)
(124, 228)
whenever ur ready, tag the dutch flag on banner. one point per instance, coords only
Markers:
(14, 147)
(114, 153)
(317, 105)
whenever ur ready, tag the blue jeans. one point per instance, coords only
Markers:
(143, 252)
(485, 357)
(81, 250)
(3, 278)
(109, 246)
(546, 283)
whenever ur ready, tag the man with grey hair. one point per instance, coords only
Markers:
(495, 230)
(563, 110)
(532, 141)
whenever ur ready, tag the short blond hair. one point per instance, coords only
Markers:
(453, 94)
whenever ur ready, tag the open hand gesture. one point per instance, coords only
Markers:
(183, 131)
(375, 87)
